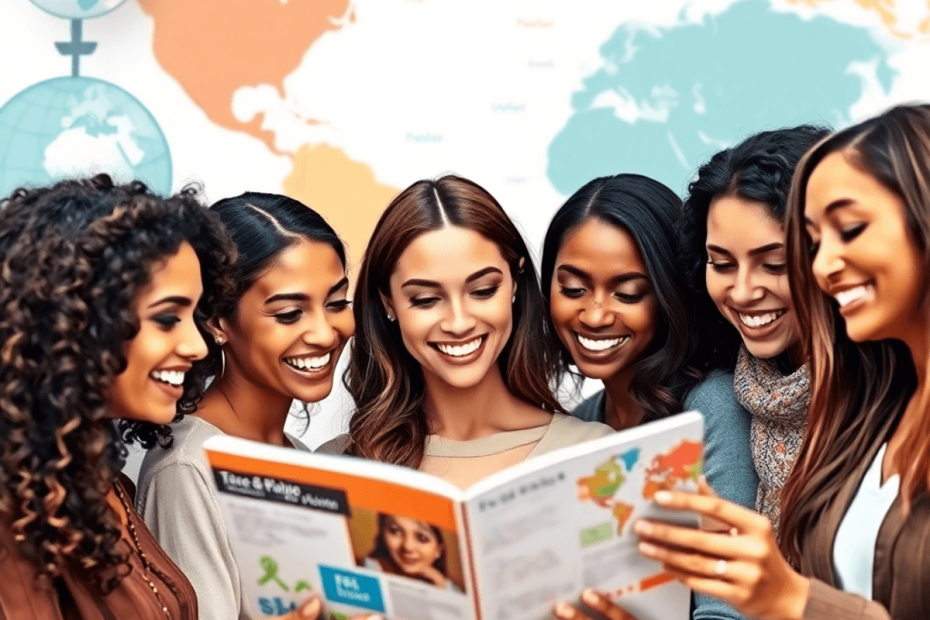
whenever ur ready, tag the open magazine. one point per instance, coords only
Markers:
(370, 537)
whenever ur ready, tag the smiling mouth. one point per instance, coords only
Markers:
(459, 350)
(309, 363)
(844, 298)
(174, 378)
(597, 345)
(761, 320)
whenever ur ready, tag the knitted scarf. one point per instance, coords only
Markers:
(778, 405)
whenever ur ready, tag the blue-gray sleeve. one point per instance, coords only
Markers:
(728, 462)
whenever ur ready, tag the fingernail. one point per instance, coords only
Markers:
(642, 527)
(564, 610)
(590, 597)
(311, 609)
(663, 497)
(647, 549)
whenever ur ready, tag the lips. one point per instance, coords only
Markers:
(462, 349)
(309, 364)
(174, 378)
(851, 295)
(600, 344)
(760, 319)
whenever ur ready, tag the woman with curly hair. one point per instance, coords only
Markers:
(99, 286)
(276, 339)
(451, 369)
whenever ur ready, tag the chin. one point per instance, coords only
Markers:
(766, 350)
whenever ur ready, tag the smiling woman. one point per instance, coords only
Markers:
(276, 339)
(451, 370)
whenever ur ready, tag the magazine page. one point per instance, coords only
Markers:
(544, 530)
(366, 536)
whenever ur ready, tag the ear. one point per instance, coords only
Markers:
(388, 304)
(218, 329)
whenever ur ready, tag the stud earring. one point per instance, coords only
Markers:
(390, 317)
(513, 299)
(219, 341)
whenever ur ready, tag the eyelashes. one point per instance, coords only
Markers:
(428, 302)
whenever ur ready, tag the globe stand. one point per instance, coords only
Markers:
(77, 47)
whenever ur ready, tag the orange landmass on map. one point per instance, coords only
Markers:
(885, 9)
(680, 464)
(214, 47)
(343, 191)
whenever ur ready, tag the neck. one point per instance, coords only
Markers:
(620, 408)
(469, 413)
(243, 409)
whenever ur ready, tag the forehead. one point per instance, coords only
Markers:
(836, 178)
(735, 223)
(596, 246)
(178, 274)
(307, 266)
(449, 254)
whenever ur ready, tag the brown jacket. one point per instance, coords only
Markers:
(901, 578)
(71, 598)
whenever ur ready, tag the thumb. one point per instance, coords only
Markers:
(309, 610)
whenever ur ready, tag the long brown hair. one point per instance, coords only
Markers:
(383, 378)
(860, 390)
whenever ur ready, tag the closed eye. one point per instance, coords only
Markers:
(486, 293)
(848, 234)
(571, 293)
(288, 317)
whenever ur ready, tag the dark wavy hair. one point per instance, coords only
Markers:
(262, 226)
(384, 379)
(859, 391)
(381, 552)
(759, 169)
(73, 260)
(646, 209)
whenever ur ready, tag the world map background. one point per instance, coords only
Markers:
(343, 103)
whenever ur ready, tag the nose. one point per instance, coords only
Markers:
(457, 320)
(827, 261)
(409, 543)
(319, 331)
(596, 314)
(745, 290)
(191, 345)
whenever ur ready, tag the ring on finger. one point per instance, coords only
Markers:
(721, 568)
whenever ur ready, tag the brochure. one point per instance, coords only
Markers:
(376, 538)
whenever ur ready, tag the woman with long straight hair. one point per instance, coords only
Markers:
(451, 369)
(856, 508)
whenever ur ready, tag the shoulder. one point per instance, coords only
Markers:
(566, 430)
(22, 594)
(591, 409)
(183, 463)
(337, 445)
(714, 398)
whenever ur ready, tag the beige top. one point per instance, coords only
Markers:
(465, 462)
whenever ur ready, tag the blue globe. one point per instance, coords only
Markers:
(78, 126)
(78, 9)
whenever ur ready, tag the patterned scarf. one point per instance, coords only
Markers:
(778, 405)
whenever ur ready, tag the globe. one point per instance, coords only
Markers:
(78, 9)
(78, 126)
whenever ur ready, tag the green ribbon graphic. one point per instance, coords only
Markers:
(270, 566)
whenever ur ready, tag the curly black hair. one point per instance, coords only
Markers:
(759, 169)
(73, 259)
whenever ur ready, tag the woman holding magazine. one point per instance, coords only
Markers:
(855, 526)
(451, 370)
(275, 340)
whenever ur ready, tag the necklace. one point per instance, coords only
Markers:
(147, 568)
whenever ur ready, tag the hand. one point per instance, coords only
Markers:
(597, 601)
(742, 566)
(311, 609)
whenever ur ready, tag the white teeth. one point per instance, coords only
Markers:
(311, 363)
(171, 377)
(600, 345)
(759, 321)
(460, 350)
(853, 294)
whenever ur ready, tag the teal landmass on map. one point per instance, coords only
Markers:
(702, 86)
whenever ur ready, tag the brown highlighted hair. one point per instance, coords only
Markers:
(859, 390)
(73, 260)
(384, 379)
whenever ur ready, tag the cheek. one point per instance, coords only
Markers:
(716, 287)
(562, 311)
(782, 289)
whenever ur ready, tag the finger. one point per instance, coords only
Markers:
(308, 610)
(732, 514)
(704, 488)
(716, 588)
(601, 603)
(689, 563)
(564, 611)
(715, 544)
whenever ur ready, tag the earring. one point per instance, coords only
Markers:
(390, 317)
(220, 341)
(513, 300)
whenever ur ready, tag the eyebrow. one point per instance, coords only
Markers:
(618, 279)
(833, 206)
(177, 300)
(754, 252)
(430, 283)
(302, 297)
